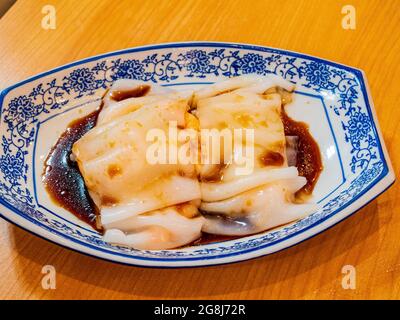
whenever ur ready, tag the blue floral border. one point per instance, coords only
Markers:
(22, 113)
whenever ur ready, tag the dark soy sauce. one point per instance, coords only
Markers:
(139, 91)
(308, 160)
(62, 177)
(308, 157)
(271, 158)
(207, 238)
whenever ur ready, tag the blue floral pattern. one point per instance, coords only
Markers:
(197, 62)
(81, 81)
(20, 115)
(317, 74)
(130, 69)
(359, 126)
(21, 108)
(252, 63)
(12, 167)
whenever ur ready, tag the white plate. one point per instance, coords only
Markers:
(332, 98)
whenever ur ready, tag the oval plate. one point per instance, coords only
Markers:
(332, 98)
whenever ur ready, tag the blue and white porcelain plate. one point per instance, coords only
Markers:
(332, 98)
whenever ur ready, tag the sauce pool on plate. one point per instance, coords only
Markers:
(62, 178)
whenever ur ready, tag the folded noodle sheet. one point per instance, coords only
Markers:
(234, 203)
(142, 204)
(166, 205)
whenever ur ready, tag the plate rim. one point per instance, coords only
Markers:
(178, 44)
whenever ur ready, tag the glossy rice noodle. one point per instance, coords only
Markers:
(137, 200)
(164, 206)
(236, 204)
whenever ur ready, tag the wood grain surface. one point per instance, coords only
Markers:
(369, 240)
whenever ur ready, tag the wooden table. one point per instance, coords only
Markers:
(369, 240)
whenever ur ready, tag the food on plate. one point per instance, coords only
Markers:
(155, 168)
